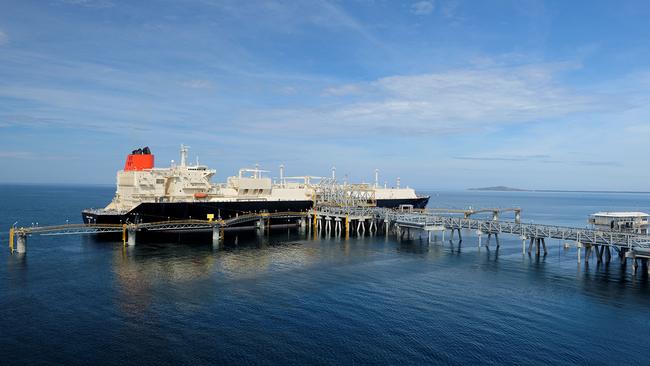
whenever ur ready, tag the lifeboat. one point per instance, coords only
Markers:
(200, 195)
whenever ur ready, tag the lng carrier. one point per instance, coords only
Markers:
(184, 191)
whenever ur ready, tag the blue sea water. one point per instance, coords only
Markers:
(286, 299)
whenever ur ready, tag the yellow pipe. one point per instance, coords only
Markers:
(124, 234)
(11, 240)
(347, 227)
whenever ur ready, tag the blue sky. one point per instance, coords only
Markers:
(445, 94)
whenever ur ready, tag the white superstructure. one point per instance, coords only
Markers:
(632, 222)
(193, 183)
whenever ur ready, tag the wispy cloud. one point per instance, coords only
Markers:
(422, 7)
(342, 90)
(90, 3)
(460, 94)
(600, 163)
(30, 155)
(450, 8)
(16, 154)
(198, 84)
(504, 158)
(643, 129)
(22, 120)
(545, 159)
(458, 100)
(293, 16)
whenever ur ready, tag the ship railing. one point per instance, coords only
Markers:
(70, 229)
(413, 219)
(158, 225)
(526, 230)
(98, 211)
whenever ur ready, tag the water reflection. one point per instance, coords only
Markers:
(455, 246)
(143, 269)
(17, 269)
(145, 274)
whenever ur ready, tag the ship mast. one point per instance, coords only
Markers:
(184, 150)
(282, 175)
(376, 178)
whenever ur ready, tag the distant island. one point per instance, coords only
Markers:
(499, 189)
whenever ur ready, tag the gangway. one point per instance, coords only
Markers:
(496, 212)
(262, 220)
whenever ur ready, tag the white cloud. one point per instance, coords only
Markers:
(287, 90)
(4, 39)
(290, 16)
(342, 90)
(198, 84)
(444, 102)
(643, 129)
(422, 7)
(449, 9)
(90, 3)
(16, 154)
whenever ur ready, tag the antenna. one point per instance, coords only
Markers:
(333, 172)
(398, 181)
(376, 178)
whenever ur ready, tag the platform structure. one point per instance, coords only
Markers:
(344, 218)
(467, 213)
(261, 221)
(339, 217)
(602, 243)
(633, 222)
(404, 221)
(330, 193)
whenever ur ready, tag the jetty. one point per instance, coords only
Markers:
(340, 213)
(260, 220)
(408, 222)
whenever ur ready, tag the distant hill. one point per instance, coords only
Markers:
(499, 188)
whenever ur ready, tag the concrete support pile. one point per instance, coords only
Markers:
(538, 243)
(216, 237)
(21, 243)
(131, 233)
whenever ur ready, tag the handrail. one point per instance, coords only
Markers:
(119, 227)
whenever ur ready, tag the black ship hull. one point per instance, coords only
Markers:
(156, 212)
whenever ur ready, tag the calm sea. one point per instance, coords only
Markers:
(284, 299)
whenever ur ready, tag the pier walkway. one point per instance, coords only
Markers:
(261, 220)
(533, 236)
(404, 221)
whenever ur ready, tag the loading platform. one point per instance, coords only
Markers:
(262, 220)
(405, 221)
(533, 236)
